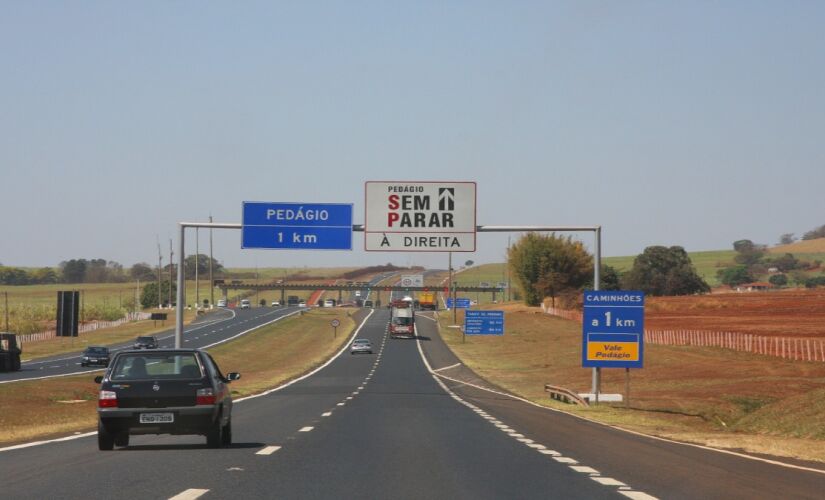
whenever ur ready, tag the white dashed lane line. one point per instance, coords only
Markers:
(189, 494)
(305, 429)
(269, 450)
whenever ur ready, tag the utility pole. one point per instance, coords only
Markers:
(160, 263)
(197, 288)
(7, 310)
(211, 281)
(507, 268)
(171, 265)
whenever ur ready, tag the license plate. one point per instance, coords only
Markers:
(157, 418)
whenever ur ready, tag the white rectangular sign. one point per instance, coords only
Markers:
(420, 216)
(412, 280)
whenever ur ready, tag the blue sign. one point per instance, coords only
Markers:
(613, 326)
(460, 303)
(484, 322)
(297, 226)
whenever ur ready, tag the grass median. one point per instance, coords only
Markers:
(265, 357)
(710, 396)
(104, 336)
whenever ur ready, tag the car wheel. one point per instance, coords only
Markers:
(215, 435)
(105, 440)
(122, 439)
(226, 437)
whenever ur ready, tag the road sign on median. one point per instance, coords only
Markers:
(484, 322)
(420, 216)
(613, 329)
(297, 226)
(460, 303)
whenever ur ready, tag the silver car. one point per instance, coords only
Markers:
(360, 345)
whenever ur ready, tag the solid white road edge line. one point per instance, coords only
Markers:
(702, 447)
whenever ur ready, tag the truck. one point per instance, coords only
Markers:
(427, 301)
(292, 300)
(402, 319)
(9, 353)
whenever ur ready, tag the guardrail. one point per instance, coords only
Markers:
(84, 328)
(566, 395)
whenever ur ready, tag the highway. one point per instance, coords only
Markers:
(213, 328)
(384, 426)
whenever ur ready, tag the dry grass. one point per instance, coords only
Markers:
(803, 246)
(266, 358)
(107, 336)
(705, 395)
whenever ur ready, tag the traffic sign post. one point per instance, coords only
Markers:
(420, 216)
(335, 323)
(613, 329)
(483, 322)
(297, 226)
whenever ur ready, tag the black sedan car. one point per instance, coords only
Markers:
(169, 391)
(95, 355)
(146, 342)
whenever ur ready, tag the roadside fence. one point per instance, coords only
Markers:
(790, 348)
(85, 327)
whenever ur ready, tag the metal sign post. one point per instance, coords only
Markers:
(335, 324)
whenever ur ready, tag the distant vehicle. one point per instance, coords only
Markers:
(292, 300)
(360, 345)
(170, 391)
(329, 303)
(402, 319)
(275, 303)
(222, 303)
(95, 355)
(427, 301)
(358, 293)
(367, 303)
(146, 342)
(302, 304)
(245, 304)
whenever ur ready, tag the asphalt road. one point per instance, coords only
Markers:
(215, 327)
(383, 426)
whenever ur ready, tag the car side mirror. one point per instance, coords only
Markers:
(98, 379)
(232, 376)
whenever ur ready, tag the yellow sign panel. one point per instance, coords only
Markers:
(612, 351)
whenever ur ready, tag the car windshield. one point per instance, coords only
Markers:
(402, 320)
(145, 339)
(361, 342)
(156, 366)
(97, 350)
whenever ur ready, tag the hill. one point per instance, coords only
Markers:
(801, 247)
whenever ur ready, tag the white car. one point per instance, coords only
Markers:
(222, 303)
(302, 303)
(358, 293)
(245, 304)
(275, 303)
(329, 303)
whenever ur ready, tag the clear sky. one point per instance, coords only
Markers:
(674, 123)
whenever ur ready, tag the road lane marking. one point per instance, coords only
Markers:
(536, 446)
(326, 414)
(447, 367)
(636, 495)
(305, 429)
(341, 404)
(565, 460)
(607, 481)
(584, 469)
(550, 452)
(189, 494)
(269, 450)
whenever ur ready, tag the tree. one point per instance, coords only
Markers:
(664, 271)
(74, 270)
(610, 279)
(786, 263)
(748, 253)
(143, 272)
(786, 239)
(44, 276)
(734, 276)
(203, 266)
(546, 265)
(815, 233)
(149, 294)
(778, 280)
